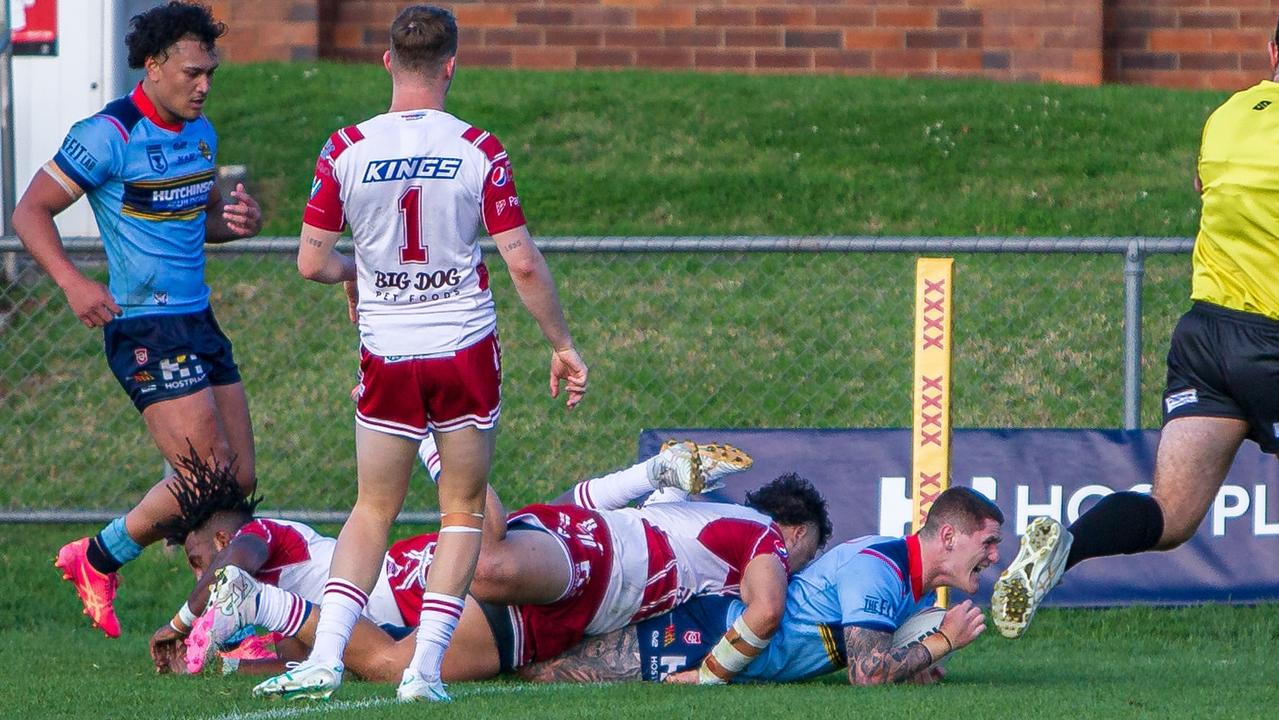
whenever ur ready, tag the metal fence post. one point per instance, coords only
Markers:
(1134, 272)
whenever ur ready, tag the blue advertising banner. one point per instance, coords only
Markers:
(864, 476)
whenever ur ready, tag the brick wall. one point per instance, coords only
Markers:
(1191, 43)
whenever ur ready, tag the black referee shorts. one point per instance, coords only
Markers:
(1225, 363)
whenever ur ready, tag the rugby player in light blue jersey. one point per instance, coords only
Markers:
(841, 612)
(147, 164)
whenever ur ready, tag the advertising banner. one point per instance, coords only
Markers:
(865, 478)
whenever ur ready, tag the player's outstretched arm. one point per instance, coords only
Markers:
(764, 592)
(33, 222)
(604, 658)
(872, 659)
(227, 221)
(536, 288)
(319, 259)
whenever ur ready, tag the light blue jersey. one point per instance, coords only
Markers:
(148, 182)
(871, 582)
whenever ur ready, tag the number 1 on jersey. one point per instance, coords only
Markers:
(412, 251)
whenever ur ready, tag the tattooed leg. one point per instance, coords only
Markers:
(605, 658)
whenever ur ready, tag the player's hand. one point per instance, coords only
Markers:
(244, 218)
(352, 299)
(567, 366)
(168, 650)
(92, 302)
(683, 677)
(963, 623)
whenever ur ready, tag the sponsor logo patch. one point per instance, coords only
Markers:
(412, 168)
(315, 186)
(155, 154)
(205, 150)
(668, 637)
(79, 154)
(500, 176)
(692, 637)
(140, 355)
(1178, 399)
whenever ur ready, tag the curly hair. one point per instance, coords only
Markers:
(792, 500)
(203, 489)
(156, 30)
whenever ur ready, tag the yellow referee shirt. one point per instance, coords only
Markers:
(1236, 258)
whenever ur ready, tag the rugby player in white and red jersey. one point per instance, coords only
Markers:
(414, 184)
(600, 571)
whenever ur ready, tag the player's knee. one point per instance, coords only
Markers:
(494, 569)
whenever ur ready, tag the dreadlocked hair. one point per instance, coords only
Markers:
(202, 490)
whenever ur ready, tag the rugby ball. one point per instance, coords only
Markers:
(918, 626)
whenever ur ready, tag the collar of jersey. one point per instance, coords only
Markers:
(916, 564)
(147, 108)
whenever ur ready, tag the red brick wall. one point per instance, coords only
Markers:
(269, 29)
(1189, 43)
(1195, 43)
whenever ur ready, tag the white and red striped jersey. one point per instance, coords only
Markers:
(679, 550)
(414, 187)
(298, 557)
(298, 560)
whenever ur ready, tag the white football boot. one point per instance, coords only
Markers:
(693, 468)
(414, 688)
(302, 681)
(233, 597)
(1038, 568)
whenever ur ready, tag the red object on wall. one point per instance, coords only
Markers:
(35, 31)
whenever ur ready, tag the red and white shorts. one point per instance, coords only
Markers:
(544, 631)
(414, 395)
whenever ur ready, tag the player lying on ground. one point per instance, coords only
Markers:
(869, 587)
(1223, 365)
(613, 575)
(864, 590)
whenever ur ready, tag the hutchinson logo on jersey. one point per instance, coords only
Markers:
(181, 198)
(414, 168)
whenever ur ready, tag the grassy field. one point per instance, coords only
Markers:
(1209, 662)
(673, 340)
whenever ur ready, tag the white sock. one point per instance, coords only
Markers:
(343, 602)
(280, 610)
(615, 490)
(430, 457)
(440, 614)
(666, 495)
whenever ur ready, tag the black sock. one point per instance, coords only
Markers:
(99, 558)
(1119, 524)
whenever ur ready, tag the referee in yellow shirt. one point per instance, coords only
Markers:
(1223, 366)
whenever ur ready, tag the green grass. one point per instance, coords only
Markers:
(673, 340)
(646, 153)
(1207, 662)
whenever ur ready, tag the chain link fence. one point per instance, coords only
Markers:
(712, 332)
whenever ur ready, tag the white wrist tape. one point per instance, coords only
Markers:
(186, 616)
(726, 659)
(749, 635)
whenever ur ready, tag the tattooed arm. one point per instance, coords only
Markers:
(605, 658)
(319, 259)
(872, 659)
